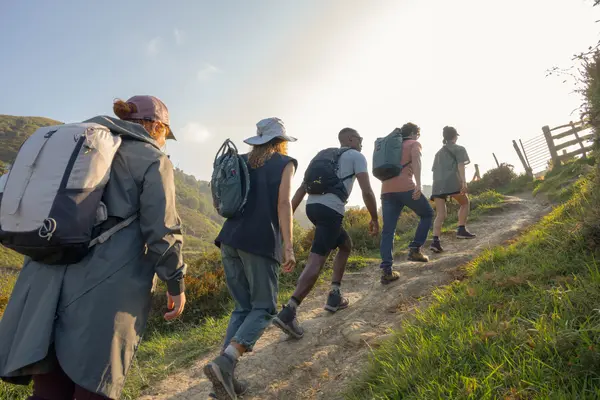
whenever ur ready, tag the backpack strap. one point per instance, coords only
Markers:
(337, 161)
(451, 154)
(106, 235)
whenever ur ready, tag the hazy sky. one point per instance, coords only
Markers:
(320, 65)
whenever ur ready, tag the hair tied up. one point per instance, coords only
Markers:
(123, 110)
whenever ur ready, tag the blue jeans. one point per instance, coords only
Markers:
(392, 205)
(253, 282)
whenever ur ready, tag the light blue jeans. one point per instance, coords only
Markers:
(253, 282)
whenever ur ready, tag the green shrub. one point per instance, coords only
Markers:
(356, 223)
(205, 290)
(495, 179)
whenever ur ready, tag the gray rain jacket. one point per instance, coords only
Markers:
(90, 316)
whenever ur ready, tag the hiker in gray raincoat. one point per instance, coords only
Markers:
(75, 328)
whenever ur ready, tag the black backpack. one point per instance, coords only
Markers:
(321, 176)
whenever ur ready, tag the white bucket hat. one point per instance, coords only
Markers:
(268, 129)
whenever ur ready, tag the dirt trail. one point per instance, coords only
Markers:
(335, 347)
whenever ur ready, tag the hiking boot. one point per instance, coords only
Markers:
(336, 301)
(391, 277)
(239, 387)
(436, 246)
(415, 254)
(220, 372)
(463, 233)
(287, 322)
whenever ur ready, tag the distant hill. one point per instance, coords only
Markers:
(201, 223)
(14, 131)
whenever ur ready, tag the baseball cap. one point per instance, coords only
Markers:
(152, 109)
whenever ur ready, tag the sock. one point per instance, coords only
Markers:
(335, 286)
(461, 227)
(436, 238)
(232, 353)
(293, 303)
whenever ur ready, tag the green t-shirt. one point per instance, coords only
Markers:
(446, 179)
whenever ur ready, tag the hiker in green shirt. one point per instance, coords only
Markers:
(449, 181)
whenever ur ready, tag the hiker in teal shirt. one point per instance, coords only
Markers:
(449, 181)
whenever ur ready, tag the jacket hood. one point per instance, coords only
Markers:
(125, 128)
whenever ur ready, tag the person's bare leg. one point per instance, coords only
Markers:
(463, 212)
(341, 259)
(286, 319)
(309, 276)
(440, 216)
(335, 300)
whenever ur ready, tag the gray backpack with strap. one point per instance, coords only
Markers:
(387, 156)
(51, 199)
(230, 182)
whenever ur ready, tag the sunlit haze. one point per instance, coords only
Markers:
(320, 65)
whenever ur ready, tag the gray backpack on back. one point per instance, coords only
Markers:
(387, 156)
(230, 182)
(50, 200)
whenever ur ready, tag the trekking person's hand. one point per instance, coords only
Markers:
(374, 227)
(417, 193)
(463, 188)
(176, 304)
(289, 260)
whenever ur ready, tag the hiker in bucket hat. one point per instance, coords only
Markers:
(74, 329)
(252, 251)
(269, 129)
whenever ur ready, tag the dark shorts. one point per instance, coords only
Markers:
(329, 233)
(443, 196)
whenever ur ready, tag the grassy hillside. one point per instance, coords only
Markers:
(200, 221)
(14, 131)
(523, 325)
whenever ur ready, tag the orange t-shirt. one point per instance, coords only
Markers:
(411, 150)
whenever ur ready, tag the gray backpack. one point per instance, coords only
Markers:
(50, 200)
(230, 182)
(387, 156)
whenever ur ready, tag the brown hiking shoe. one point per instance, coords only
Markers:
(391, 277)
(415, 255)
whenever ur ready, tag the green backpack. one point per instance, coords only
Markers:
(387, 156)
(230, 182)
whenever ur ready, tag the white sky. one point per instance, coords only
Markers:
(320, 65)
(477, 65)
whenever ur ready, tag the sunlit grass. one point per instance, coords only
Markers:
(525, 324)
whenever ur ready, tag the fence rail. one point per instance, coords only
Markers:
(537, 152)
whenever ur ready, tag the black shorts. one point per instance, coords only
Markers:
(329, 233)
(443, 196)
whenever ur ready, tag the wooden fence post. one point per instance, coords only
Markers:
(578, 139)
(551, 148)
(528, 170)
(525, 154)
(497, 163)
(476, 175)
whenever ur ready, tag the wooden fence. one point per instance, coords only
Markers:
(556, 145)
